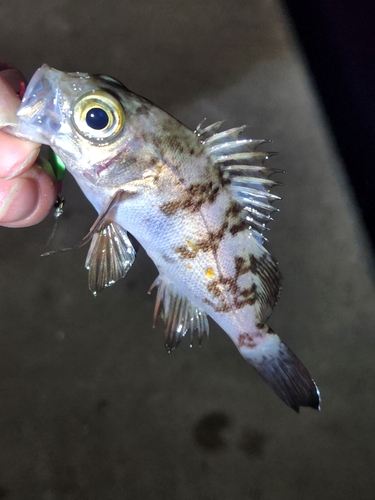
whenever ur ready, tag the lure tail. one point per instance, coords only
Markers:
(280, 368)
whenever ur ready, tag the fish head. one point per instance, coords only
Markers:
(93, 122)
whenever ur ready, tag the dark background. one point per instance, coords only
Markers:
(337, 38)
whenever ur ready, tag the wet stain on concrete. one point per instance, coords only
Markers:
(101, 405)
(208, 431)
(252, 443)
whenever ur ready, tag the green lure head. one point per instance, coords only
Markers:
(57, 165)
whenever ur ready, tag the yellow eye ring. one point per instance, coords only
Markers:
(98, 116)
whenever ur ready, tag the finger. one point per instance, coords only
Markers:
(17, 155)
(13, 76)
(27, 200)
(27, 189)
(9, 103)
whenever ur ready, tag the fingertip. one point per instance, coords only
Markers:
(28, 190)
(12, 76)
(9, 104)
(17, 155)
(27, 200)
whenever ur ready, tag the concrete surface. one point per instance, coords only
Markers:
(91, 406)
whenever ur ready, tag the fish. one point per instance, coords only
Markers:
(197, 201)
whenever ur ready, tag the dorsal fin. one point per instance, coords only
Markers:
(179, 314)
(204, 132)
(250, 181)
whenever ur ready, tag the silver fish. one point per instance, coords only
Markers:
(198, 202)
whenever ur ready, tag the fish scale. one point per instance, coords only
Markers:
(198, 202)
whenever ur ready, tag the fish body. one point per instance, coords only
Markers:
(198, 203)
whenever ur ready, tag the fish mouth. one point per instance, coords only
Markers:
(40, 116)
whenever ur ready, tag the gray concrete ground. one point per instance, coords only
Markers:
(92, 407)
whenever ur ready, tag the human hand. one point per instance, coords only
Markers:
(28, 188)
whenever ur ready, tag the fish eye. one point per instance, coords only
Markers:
(97, 118)
(98, 115)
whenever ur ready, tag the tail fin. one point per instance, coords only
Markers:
(280, 368)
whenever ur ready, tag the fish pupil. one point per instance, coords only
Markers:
(97, 118)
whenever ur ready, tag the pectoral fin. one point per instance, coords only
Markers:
(111, 253)
(110, 256)
(179, 314)
(104, 215)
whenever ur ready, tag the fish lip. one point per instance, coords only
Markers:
(40, 115)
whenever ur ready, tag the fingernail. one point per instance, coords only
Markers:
(20, 202)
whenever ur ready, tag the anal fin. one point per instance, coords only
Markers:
(179, 314)
(280, 368)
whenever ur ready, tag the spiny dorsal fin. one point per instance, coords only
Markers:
(179, 314)
(110, 256)
(250, 181)
(204, 132)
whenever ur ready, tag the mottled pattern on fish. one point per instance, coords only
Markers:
(198, 202)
